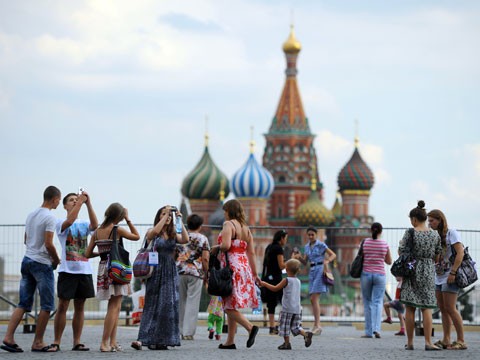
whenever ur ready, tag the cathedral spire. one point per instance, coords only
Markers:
(290, 117)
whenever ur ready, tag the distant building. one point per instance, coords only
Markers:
(286, 191)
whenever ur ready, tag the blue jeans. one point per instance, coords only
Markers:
(373, 288)
(36, 275)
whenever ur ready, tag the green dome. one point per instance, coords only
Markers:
(313, 212)
(205, 180)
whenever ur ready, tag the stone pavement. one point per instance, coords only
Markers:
(336, 342)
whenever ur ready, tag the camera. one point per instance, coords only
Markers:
(80, 190)
(173, 209)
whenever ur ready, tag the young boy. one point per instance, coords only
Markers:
(398, 306)
(291, 309)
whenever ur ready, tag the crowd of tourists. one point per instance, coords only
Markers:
(180, 263)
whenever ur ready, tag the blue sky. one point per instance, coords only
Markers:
(113, 95)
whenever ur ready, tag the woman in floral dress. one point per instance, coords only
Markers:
(159, 324)
(106, 289)
(419, 291)
(236, 241)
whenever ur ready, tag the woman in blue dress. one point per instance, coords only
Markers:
(159, 324)
(318, 254)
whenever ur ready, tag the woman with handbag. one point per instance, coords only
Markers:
(376, 254)
(418, 291)
(319, 255)
(446, 288)
(103, 238)
(236, 240)
(159, 324)
(273, 264)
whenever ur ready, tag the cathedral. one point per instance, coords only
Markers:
(286, 191)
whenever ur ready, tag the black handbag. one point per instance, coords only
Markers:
(219, 278)
(405, 265)
(466, 272)
(357, 264)
(263, 289)
(120, 269)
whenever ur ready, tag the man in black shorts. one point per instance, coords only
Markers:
(75, 272)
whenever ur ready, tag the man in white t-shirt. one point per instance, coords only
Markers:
(75, 272)
(37, 272)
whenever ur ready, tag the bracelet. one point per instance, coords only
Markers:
(453, 273)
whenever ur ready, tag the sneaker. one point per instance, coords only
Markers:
(210, 333)
(388, 320)
(285, 347)
(308, 338)
(217, 337)
(273, 331)
(400, 333)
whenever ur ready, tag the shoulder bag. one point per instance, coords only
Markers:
(120, 270)
(405, 265)
(328, 278)
(357, 264)
(141, 265)
(219, 279)
(466, 272)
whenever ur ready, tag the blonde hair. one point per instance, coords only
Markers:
(293, 266)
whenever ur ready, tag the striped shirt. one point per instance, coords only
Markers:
(374, 252)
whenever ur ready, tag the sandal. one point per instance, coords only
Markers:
(457, 345)
(441, 344)
(78, 347)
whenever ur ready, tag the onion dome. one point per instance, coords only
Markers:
(252, 179)
(313, 211)
(355, 175)
(292, 45)
(204, 181)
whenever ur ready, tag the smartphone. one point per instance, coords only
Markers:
(80, 190)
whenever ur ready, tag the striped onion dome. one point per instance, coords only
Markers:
(355, 175)
(252, 180)
(205, 180)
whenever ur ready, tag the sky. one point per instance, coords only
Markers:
(112, 96)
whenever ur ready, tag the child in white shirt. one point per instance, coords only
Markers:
(290, 316)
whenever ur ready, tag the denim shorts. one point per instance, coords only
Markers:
(37, 275)
(450, 288)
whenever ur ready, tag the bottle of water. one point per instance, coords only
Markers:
(178, 224)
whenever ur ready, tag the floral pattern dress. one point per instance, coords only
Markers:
(244, 294)
(419, 290)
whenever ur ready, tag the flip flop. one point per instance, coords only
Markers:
(11, 347)
(47, 348)
(79, 347)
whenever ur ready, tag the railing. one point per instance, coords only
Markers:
(343, 303)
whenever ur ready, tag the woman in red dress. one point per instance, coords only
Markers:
(237, 241)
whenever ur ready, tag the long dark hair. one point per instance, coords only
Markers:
(376, 229)
(279, 235)
(419, 212)
(169, 228)
(113, 213)
(442, 225)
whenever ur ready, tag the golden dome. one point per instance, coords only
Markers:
(292, 45)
